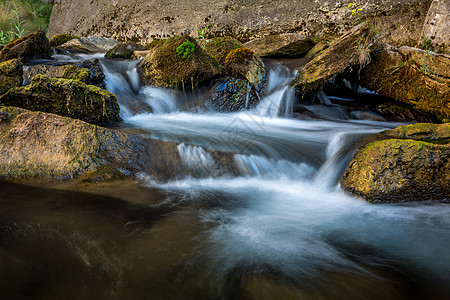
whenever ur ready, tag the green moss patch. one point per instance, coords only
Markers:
(60, 39)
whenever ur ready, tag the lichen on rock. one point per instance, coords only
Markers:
(10, 75)
(220, 47)
(65, 97)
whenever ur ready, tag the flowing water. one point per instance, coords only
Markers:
(258, 213)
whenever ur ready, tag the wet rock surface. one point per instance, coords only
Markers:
(27, 48)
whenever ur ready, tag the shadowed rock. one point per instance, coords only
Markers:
(32, 46)
(10, 75)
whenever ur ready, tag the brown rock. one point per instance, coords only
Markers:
(281, 45)
(10, 75)
(32, 46)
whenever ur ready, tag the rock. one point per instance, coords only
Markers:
(244, 63)
(436, 27)
(64, 71)
(48, 146)
(281, 45)
(414, 168)
(233, 94)
(346, 54)
(10, 75)
(178, 62)
(398, 21)
(124, 50)
(220, 47)
(65, 97)
(140, 54)
(60, 39)
(97, 76)
(317, 49)
(411, 76)
(91, 44)
(32, 46)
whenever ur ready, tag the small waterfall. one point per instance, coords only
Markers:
(161, 100)
(197, 160)
(280, 98)
(265, 168)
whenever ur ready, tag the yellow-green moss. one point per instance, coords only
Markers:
(60, 39)
(238, 56)
(220, 47)
(423, 131)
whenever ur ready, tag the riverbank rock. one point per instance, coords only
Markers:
(412, 76)
(90, 44)
(27, 48)
(65, 97)
(10, 75)
(219, 47)
(399, 22)
(412, 164)
(233, 94)
(60, 39)
(65, 71)
(124, 51)
(48, 146)
(436, 27)
(281, 45)
(178, 63)
(347, 54)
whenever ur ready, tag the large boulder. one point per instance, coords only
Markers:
(436, 28)
(65, 97)
(412, 164)
(32, 46)
(281, 45)
(178, 62)
(398, 21)
(124, 51)
(10, 75)
(411, 76)
(90, 44)
(48, 146)
(64, 71)
(347, 54)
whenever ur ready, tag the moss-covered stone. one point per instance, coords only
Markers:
(281, 45)
(163, 66)
(405, 169)
(48, 146)
(60, 39)
(124, 51)
(27, 48)
(244, 63)
(411, 76)
(344, 55)
(220, 47)
(10, 75)
(65, 97)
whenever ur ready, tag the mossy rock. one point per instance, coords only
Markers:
(10, 75)
(66, 71)
(163, 66)
(411, 76)
(124, 51)
(27, 48)
(65, 97)
(48, 146)
(244, 63)
(347, 54)
(60, 39)
(220, 47)
(414, 166)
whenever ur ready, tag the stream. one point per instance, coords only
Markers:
(275, 225)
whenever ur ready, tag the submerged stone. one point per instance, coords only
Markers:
(65, 97)
(414, 166)
(48, 146)
(27, 48)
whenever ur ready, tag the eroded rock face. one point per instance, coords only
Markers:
(411, 165)
(412, 76)
(436, 26)
(32, 46)
(179, 63)
(37, 144)
(281, 45)
(90, 44)
(10, 75)
(399, 21)
(65, 97)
